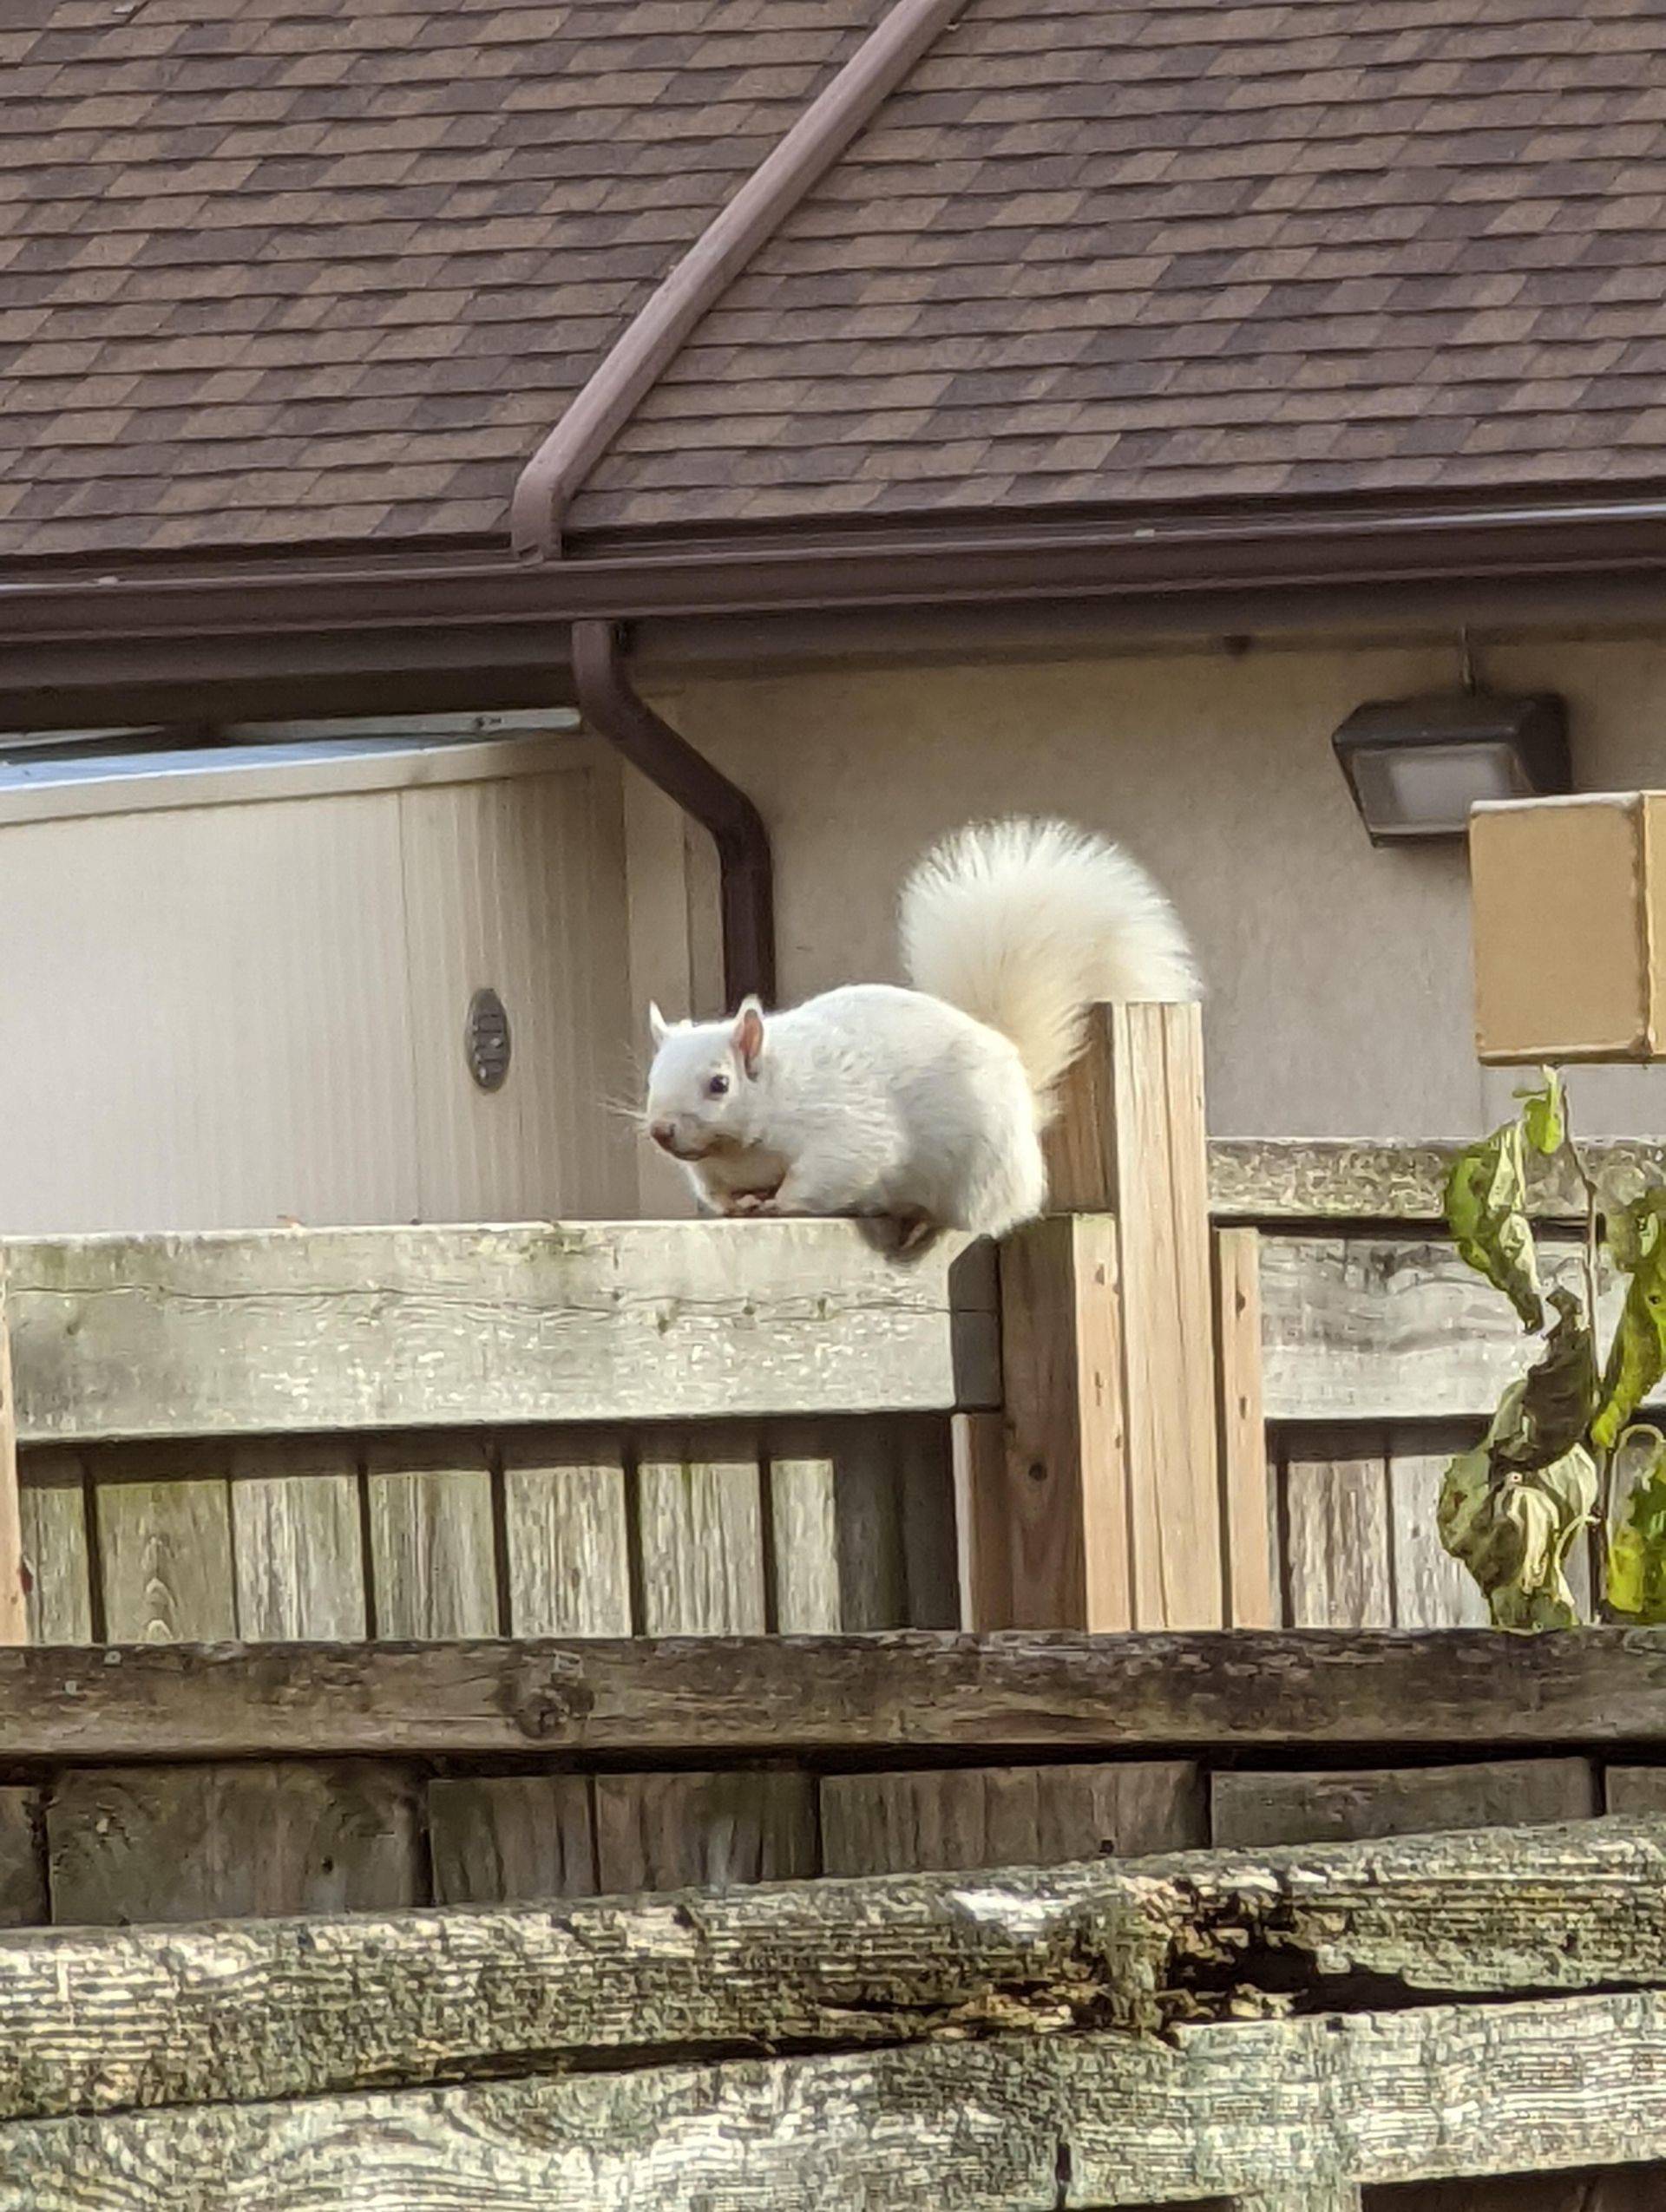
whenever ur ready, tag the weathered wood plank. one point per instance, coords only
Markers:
(930, 1538)
(1246, 1505)
(1322, 2196)
(868, 1508)
(1376, 1329)
(992, 1816)
(164, 1523)
(433, 1548)
(364, 1329)
(498, 1839)
(54, 1500)
(186, 1843)
(1273, 1179)
(14, 1578)
(1160, 1695)
(1012, 2124)
(699, 1518)
(23, 1860)
(1635, 1790)
(1061, 1506)
(804, 1532)
(297, 1546)
(668, 1831)
(1431, 1589)
(567, 1533)
(98, 2018)
(983, 1529)
(1336, 1562)
(1167, 1316)
(1258, 1809)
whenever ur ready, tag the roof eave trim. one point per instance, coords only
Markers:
(545, 487)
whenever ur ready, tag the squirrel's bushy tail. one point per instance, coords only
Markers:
(1025, 924)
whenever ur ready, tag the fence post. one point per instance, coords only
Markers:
(1104, 1508)
(14, 1614)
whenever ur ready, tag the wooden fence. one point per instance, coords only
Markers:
(731, 1427)
(1274, 2022)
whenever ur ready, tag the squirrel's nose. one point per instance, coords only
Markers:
(662, 1133)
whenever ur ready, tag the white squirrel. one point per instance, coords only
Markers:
(925, 1104)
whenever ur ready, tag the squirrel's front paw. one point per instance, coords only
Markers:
(750, 1201)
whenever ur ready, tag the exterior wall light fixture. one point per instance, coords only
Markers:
(1415, 766)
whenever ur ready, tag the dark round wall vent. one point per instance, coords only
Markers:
(486, 1040)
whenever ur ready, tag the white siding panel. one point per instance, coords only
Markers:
(205, 1019)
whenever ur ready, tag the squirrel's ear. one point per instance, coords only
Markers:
(747, 1035)
(658, 1027)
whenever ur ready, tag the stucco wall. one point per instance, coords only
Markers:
(1340, 978)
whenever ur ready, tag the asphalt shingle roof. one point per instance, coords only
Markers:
(288, 270)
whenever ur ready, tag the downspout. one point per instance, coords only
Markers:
(615, 709)
(628, 373)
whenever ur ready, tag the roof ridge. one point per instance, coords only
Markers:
(651, 341)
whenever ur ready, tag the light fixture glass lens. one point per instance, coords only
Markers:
(1415, 791)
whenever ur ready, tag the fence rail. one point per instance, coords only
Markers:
(1104, 2035)
(729, 1427)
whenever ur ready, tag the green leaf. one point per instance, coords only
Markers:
(1637, 1359)
(1558, 1396)
(1543, 1120)
(1636, 1550)
(1514, 1528)
(1487, 1212)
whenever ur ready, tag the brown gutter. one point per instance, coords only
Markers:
(613, 709)
(970, 561)
(430, 627)
(657, 333)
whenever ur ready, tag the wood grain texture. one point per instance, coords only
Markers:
(672, 1831)
(991, 1817)
(1256, 1808)
(766, 1696)
(22, 1859)
(297, 1546)
(1274, 1179)
(1337, 1567)
(1635, 1790)
(1324, 2197)
(95, 2019)
(14, 1578)
(54, 1501)
(1248, 1567)
(1062, 1510)
(1167, 1315)
(1431, 1589)
(498, 1839)
(803, 1521)
(982, 1527)
(1371, 1328)
(164, 1525)
(699, 1517)
(987, 2125)
(873, 1560)
(566, 1533)
(196, 1843)
(433, 1548)
(930, 1537)
(364, 1329)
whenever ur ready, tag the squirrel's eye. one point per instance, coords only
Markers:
(716, 1086)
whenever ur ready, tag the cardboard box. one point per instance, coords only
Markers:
(1570, 921)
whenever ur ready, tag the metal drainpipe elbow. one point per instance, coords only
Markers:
(614, 709)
